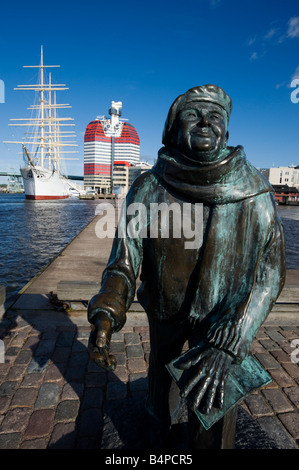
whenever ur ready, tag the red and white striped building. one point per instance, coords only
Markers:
(107, 141)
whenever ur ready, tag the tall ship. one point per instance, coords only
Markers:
(44, 143)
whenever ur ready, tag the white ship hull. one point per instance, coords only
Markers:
(42, 184)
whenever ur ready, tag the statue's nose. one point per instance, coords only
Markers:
(203, 121)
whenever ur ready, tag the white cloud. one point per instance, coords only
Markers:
(293, 31)
(252, 41)
(253, 56)
(270, 33)
(296, 73)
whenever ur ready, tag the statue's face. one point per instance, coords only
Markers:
(201, 131)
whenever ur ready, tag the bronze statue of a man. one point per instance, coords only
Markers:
(217, 294)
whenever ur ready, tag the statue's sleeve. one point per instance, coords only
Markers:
(118, 280)
(236, 333)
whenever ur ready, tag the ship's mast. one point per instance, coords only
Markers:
(42, 107)
(48, 137)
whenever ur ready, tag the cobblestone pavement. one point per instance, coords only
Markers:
(52, 396)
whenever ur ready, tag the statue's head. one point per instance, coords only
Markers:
(197, 123)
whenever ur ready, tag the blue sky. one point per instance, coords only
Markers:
(147, 53)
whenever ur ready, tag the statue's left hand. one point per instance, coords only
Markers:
(204, 378)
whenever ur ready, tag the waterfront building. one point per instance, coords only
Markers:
(284, 175)
(106, 141)
(285, 194)
(124, 173)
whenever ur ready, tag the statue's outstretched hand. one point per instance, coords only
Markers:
(99, 342)
(204, 377)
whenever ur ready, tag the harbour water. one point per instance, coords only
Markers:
(34, 232)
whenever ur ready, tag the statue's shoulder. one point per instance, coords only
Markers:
(143, 185)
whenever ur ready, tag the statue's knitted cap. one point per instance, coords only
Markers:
(207, 93)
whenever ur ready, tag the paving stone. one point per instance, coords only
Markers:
(4, 404)
(34, 444)
(274, 428)
(138, 382)
(55, 373)
(120, 359)
(63, 436)
(289, 334)
(282, 378)
(24, 357)
(261, 334)
(267, 361)
(4, 368)
(11, 353)
(45, 347)
(67, 410)
(91, 422)
(120, 373)
(116, 390)
(16, 419)
(33, 380)
(136, 364)
(72, 391)
(20, 339)
(278, 400)
(281, 356)
(61, 355)
(48, 395)
(275, 335)
(7, 389)
(269, 345)
(145, 335)
(256, 347)
(94, 379)
(75, 374)
(93, 398)
(293, 395)
(292, 369)
(257, 406)
(10, 441)
(24, 397)
(291, 422)
(78, 359)
(38, 364)
(80, 345)
(83, 332)
(119, 336)
(16, 372)
(134, 351)
(146, 347)
(117, 347)
(31, 343)
(132, 338)
(40, 423)
(65, 339)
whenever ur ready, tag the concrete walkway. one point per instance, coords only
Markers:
(53, 397)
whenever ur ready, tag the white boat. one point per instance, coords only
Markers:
(44, 141)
